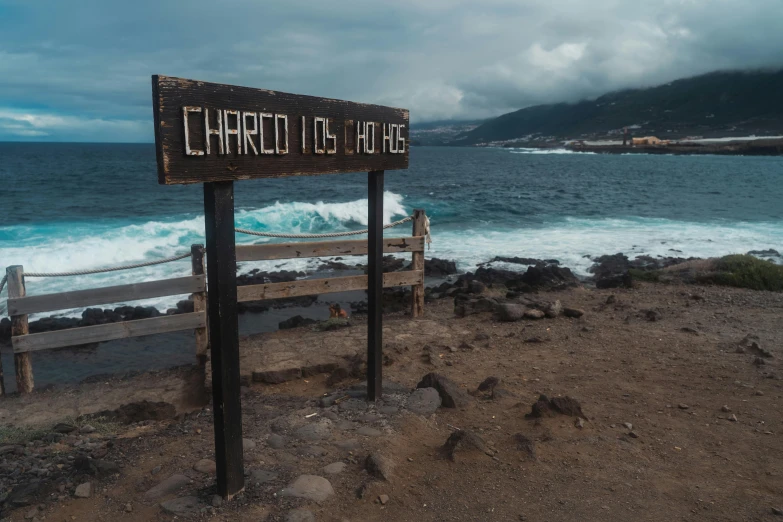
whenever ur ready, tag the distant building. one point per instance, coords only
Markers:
(647, 140)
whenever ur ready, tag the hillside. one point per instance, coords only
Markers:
(715, 104)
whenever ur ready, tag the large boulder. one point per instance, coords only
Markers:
(545, 276)
(439, 267)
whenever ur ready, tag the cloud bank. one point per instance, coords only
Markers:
(80, 70)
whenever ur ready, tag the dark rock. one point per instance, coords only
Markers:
(296, 321)
(335, 265)
(139, 411)
(463, 439)
(525, 444)
(22, 494)
(464, 305)
(451, 395)
(548, 277)
(379, 466)
(562, 405)
(652, 315)
(765, 253)
(488, 384)
(524, 260)
(439, 267)
(750, 344)
(573, 312)
(63, 428)
(510, 312)
(490, 276)
(185, 306)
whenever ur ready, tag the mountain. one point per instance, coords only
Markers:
(440, 132)
(711, 105)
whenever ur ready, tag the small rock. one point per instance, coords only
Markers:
(129, 508)
(510, 312)
(182, 506)
(300, 515)
(217, 501)
(463, 439)
(778, 512)
(554, 309)
(310, 487)
(759, 393)
(733, 418)
(155, 470)
(62, 427)
(628, 426)
(633, 434)
(261, 476)
(276, 441)
(725, 409)
(379, 466)
(83, 490)
(534, 314)
(334, 468)
(248, 444)
(683, 406)
(579, 423)
(86, 429)
(574, 313)
(653, 315)
(525, 444)
(319, 430)
(424, 401)
(31, 514)
(206, 466)
(383, 499)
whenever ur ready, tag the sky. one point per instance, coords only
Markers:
(79, 70)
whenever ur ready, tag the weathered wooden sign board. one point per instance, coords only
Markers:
(214, 134)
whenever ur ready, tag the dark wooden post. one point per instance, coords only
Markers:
(22, 364)
(375, 285)
(417, 263)
(199, 304)
(223, 335)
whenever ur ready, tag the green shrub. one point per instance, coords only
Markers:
(650, 276)
(745, 271)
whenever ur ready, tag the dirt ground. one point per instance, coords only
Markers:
(704, 441)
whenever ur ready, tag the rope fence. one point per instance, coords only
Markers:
(177, 257)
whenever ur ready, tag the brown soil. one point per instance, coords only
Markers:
(683, 458)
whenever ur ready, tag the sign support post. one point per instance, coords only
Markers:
(215, 134)
(374, 285)
(223, 335)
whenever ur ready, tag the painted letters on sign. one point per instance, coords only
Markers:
(208, 132)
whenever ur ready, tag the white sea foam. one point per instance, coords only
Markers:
(65, 248)
(524, 150)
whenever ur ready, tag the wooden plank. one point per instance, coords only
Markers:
(262, 134)
(324, 286)
(199, 304)
(109, 294)
(106, 332)
(417, 263)
(374, 285)
(223, 331)
(23, 365)
(350, 247)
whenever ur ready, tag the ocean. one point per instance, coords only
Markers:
(80, 206)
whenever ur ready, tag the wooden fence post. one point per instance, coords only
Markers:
(22, 363)
(417, 263)
(199, 304)
(375, 285)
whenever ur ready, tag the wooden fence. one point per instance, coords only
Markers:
(20, 305)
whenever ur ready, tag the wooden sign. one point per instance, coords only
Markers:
(213, 132)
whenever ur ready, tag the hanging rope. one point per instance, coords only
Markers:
(315, 236)
(104, 270)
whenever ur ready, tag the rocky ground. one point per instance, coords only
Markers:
(655, 402)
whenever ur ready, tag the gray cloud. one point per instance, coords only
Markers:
(81, 69)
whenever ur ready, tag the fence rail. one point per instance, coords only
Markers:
(20, 305)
